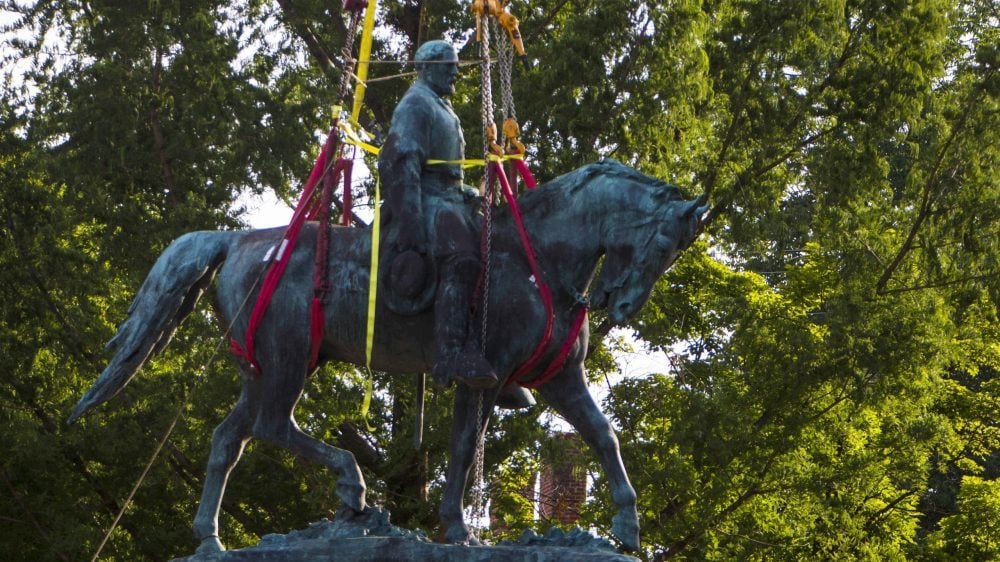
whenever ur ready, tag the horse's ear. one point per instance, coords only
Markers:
(696, 206)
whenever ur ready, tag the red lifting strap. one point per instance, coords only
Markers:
(532, 362)
(306, 209)
(560, 359)
(522, 169)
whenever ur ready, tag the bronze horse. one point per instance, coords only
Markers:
(637, 223)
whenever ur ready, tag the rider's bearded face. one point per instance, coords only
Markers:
(440, 76)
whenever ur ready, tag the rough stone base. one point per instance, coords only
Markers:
(369, 537)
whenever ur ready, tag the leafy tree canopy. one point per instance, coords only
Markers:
(834, 334)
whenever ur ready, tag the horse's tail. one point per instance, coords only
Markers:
(167, 296)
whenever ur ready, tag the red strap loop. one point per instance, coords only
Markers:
(544, 292)
(308, 208)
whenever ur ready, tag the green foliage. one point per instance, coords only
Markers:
(970, 534)
(833, 335)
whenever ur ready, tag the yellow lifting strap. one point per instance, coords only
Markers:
(372, 296)
(373, 278)
(363, 57)
(353, 137)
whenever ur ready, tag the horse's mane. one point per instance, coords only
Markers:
(572, 183)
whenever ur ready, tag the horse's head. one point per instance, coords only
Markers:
(637, 254)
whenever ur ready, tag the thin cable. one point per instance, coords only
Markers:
(467, 62)
(173, 424)
(145, 471)
(404, 74)
(478, 507)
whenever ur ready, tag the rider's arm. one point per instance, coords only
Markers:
(400, 163)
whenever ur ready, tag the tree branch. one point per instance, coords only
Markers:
(730, 137)
(723, 205)
(926, 199)
(545, 22)
(939, 284)
(305, 33)
(68, 328)
(50, 427)
(874, 517)
(679, 546)
(31, 516)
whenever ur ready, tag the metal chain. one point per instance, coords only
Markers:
(486, 82)
(347, 54)
(478, 486)
(505, 58)
(487, 116)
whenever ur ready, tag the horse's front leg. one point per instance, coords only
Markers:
(464, 439)
(568, 394)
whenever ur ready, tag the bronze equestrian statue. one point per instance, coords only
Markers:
(638, 224)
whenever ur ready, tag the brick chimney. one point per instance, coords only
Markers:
(563, 487)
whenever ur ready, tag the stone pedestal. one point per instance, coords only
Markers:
(370, 537)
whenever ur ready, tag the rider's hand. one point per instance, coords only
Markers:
(472, 198)
(471, 194)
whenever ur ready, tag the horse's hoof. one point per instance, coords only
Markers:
(353, 495)
(209, 545)
(345, 513)
(625, 527)
(460, 535)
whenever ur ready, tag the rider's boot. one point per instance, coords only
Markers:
(459, 354)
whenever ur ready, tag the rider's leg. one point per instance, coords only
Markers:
(459, 353)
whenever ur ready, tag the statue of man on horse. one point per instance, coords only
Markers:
(636, 226)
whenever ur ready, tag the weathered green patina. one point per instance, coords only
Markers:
(430, 212)
(637, 224)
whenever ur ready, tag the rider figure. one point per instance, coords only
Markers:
(435, 211)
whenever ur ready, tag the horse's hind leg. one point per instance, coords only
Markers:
(228, 441)
(568, 394)
(275, 423)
